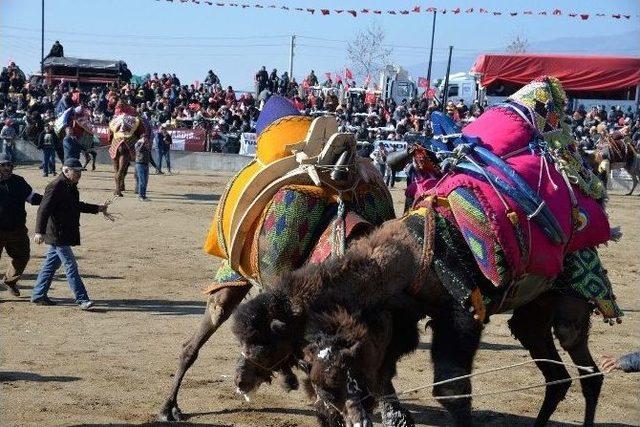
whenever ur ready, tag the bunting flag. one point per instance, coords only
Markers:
(417, 9)
(423, 82)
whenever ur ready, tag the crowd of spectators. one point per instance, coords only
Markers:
(164, 100)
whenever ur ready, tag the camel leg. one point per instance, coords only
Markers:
(116, 175)
(531, 325)
(393, 413)
(220, 306)
(633, 171)
(456, 337)
(571, 325)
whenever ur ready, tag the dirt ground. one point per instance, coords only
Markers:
(62, 366)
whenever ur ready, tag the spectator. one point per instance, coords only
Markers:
(627, 363)
(57, 51)
(142, 159)
(163, 143)
(70, 145)
(14, 238)
(379, 156)
(47, 142)
(57, 224)
(8, 137)
(312, 79)
(262, 80)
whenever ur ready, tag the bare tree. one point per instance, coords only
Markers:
(518, 45)
(368, 52)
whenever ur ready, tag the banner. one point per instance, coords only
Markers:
(248, 144)
(184, 139)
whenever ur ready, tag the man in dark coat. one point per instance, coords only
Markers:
(57, 51)
(58, 225)
(14, 238)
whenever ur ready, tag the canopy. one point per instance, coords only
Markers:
(95, 64)
(576, 72)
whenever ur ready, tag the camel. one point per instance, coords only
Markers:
(124, 131)
(297, 323)
(617, 153)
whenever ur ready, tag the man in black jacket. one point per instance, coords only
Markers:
(14, 238)
(58, 224)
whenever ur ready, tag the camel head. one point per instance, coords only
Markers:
(343, 358)
(270, 335)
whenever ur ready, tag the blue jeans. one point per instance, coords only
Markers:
(142, 170)
(54, 258)
(49, 163)
(167, 156)
(8, 149)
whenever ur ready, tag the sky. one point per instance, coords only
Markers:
(189, 39)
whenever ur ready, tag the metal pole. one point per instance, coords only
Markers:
(446, 81)
(42, 43)
(433, 32)
(293, 44)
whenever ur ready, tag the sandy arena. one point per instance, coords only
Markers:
(62, 366)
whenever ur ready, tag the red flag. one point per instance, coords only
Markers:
(377, 12)
(325, 11)
(338, 77)
(364, 11)
(348, 74)
(347, 87)
(305, 84)
(584, 16)
(557, 12)
(352, 13)
(404, 12)
(423, 82)
(367, 80)
(514, 13)
(416, 9)
(328, 76)
(431, 93)
(456, 10)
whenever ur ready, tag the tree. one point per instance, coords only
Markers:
(518, 45)
(368, 52)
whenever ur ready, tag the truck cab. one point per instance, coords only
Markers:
(395, 84)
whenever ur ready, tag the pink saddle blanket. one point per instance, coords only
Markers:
(522, 245)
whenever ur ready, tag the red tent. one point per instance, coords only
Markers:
(576, 72)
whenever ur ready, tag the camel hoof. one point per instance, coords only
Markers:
(170, 413)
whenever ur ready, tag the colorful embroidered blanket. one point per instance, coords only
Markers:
(527, 133)
(125, 129)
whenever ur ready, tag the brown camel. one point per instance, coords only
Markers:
(351, 352)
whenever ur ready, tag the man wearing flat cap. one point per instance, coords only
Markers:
(58, 225)
(14, 238)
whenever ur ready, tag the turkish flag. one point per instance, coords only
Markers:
(348, 74)
(367, 80)
(325, 11)
(352, 13)
(431, 93)
(423, 82)
(416, 9)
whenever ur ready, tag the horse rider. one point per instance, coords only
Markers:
(14, 238)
